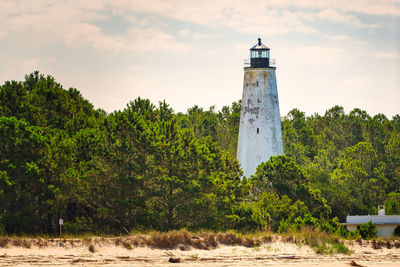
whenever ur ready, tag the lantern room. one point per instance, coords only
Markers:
(259, 56)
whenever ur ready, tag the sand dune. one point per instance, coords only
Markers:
(118, 252)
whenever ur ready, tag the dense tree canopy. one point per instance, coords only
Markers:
(146, 167)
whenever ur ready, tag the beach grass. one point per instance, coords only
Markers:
(320, 241)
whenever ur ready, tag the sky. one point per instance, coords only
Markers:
(328, 52)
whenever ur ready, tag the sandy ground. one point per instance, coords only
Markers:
(276, 253)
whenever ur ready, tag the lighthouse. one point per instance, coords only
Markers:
(260, 134)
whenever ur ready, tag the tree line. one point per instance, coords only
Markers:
(147, 167)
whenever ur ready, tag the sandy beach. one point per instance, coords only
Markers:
(111, 252)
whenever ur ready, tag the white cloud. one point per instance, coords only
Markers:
(241, 46)
(16, 67)
(388, 55)
(87, 34)
(54, 18)
(370, 7)
(356, 83)
(74, 24)
(137, 39)
(183, 32)
(198, 36)
(72, 21)
(135, 68)
(340, 37)
(36, 62)
(148, 39)
(271, 16)
(316, 54)
(335, 16)
(194, 35)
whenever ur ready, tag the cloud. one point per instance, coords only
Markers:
(36, 62)
(61, 19)
(270, 16)
(356, 83)
(333, 15)
(135, 68)
(184, 32)
(74, 23)
(388, 55)
(87, 34)
(241, 46)
(198, 36)
(195, 35)
(316, 54)
(270, 21)
(369, 7)
(16, 67)
(340, 37)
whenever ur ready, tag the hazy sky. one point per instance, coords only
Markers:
(328, 53)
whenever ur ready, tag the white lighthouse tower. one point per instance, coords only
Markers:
(260, 135)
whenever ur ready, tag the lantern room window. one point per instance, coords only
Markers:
(259, 54)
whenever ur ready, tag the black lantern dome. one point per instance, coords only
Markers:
(259, 56)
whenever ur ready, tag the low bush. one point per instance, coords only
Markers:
(397, 231)
(321, 241)
(284, 225)
(368, 230)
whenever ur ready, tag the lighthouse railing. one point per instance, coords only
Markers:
(272, 63)
(247, 63)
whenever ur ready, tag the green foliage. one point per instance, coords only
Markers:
(368, 230)
(340, 248)
(354, 234)
(284, 225)
(146, 167)
(282, 175)
(299, 223)
(392, 204)
(397, 231)
(322, 242)
(267, 211)
(342, 231)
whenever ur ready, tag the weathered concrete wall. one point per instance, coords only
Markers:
(359, 219)
(383, 230)
(385, 224)
(260, 135)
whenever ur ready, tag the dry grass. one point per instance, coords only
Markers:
(4, 242)
(185, 240)
(320, 241)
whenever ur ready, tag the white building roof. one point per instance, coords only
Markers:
(378, 219)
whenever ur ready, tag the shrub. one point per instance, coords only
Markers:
(332, 226)
(322, 242)
(340, 248)
(310, 220)
(368, 230)
(299, 223)
(397, 231)
(327, 227)
(354, 234)
(80, 225)
(284, 225)
(342, 231)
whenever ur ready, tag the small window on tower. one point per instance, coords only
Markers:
(258, 130)
(264, 54)
(256, 83)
